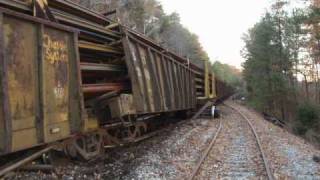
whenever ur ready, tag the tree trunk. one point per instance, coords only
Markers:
(306, 86)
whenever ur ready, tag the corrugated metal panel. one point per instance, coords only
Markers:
(159, 81)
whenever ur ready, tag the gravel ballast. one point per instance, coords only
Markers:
(174, 153)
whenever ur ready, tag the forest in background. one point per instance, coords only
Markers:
(282, 68)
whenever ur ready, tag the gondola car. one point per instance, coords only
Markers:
(71, 75)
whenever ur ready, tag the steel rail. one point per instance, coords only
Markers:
(104, 87)
(20, 163)
(101, 67)
(78, 10)
(265, 161)
(99, 47)
(78, 21)
(24, 6)
(204, 156)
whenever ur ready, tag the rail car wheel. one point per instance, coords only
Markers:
(85, 147)
(70, 151)
(123, 135)
(137, 130)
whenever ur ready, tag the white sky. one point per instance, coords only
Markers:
(220, 24)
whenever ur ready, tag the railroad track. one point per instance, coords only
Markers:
(24, 160)
(242, 154)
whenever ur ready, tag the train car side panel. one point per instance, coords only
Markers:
(55, 86)
(20, 42)
(3, 129)
(158, 79)
(39, 82)
(2, 122)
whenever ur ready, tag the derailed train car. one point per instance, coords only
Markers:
(70, 74)
(160, 82)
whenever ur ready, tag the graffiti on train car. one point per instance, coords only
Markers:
(55, 50)
(56, 53)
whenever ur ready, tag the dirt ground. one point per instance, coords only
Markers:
(174, 153)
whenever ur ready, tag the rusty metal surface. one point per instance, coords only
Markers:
(39, 84)
(24, 5)
(160, 82)
(76, 105)
(3, 128)
(55, 73)
(101, 67)
(20, 48)
(105, 87)
(122, 106)
(27, 17)
(2, 125)
(99, 47)
(76, 9)
(80, 22)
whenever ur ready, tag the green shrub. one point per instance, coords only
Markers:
(308, 115)
(300, 130)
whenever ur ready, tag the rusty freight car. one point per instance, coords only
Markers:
(68, 73)
(39, 82)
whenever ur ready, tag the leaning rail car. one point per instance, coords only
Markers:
(160, 82)
(70, 72)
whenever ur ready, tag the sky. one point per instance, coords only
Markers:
(220, 24)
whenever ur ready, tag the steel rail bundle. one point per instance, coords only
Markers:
(99, 34)
(72, 75)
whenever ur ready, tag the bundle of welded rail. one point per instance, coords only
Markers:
(69, 72)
